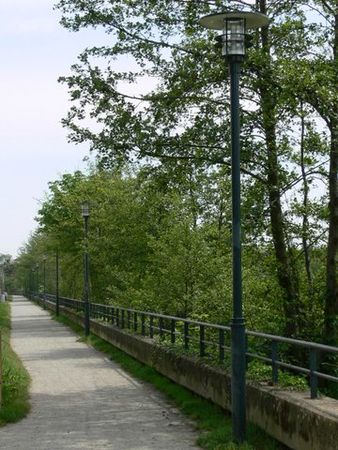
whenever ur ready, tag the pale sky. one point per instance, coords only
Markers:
(35, 50)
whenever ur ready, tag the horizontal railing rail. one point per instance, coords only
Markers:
(206, 339)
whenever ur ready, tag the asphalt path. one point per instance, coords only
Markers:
(82, 400)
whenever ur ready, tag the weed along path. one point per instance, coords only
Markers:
(81, 400)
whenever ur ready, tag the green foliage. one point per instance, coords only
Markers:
(160, 244)
(16, 380)
(149, 248)
(261, 372)
(179, 123)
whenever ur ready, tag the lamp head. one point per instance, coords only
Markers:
(234, 25)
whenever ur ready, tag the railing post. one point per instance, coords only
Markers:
(186, 335)
(57, 299)
(313, 376)
(246, 351)
(122, 318)
(160, 325)
(172, 331)
(143, 327)
(202, 343)
(274, 358)
(221, 345)
(135, 321)
(128, 319)
(118, 317)
(151, 327)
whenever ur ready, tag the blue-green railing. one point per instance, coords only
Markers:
(207, 339)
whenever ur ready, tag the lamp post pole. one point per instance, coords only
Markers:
(57, 307)
(238, 363)
(31, 283)
(232, 42)
(85, 215)
(44, 282)
(37, 280)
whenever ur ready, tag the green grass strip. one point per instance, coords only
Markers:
(213, 422)
(16, 380)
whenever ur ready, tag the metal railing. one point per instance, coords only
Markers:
(208, 340)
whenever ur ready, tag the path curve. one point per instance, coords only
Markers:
(81, 400)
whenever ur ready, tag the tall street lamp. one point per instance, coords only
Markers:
(44, 282)
(31, 283)
(234, 25)
(37, 280)
(85, 215)
(57, 305)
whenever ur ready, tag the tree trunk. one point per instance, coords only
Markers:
(285, 273)
(286, 276)
(305, 221)
(331, 299)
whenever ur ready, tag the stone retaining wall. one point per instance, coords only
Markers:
(290, 417)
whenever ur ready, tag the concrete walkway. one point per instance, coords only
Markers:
(81, 400)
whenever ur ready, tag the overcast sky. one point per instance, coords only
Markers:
(35, 50)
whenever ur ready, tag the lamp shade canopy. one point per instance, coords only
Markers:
(252, 19)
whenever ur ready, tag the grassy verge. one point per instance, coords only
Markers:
(214, 424)
(15, 395)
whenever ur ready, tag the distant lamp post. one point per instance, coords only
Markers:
(85, 215)
(57, 303)
(44, 282)
(234, 25)
(37, 280)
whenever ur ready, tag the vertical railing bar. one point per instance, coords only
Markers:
(221, 345)
(313, 376)
(143, 328)
(122, 317)
(135, 321)
(202, 339)
(186, 335)
(246, 351)
(172, 331)
(160, 326)
(274, 359)
(151, 327)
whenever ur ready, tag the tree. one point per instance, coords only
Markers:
(186, 118)
(313, 80)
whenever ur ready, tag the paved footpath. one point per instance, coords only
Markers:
(81, 400)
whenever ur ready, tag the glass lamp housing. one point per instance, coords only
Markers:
(234, 37)
(85, 209)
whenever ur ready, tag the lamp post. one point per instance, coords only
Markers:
(85, 215)
(37, 280)
(31, 283)
(57, 304)
(44, 282)
(234, 25)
